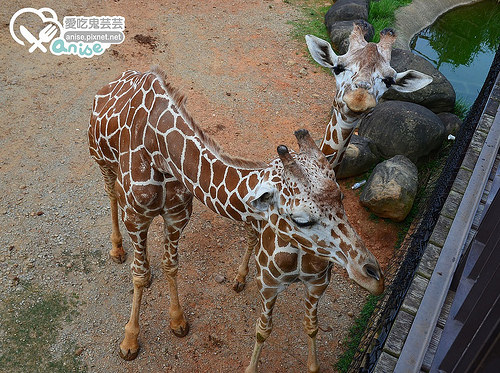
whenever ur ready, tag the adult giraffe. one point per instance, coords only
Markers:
(155, 158)
(362, 75)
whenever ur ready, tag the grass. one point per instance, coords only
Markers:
(30, 320)
(461, 108)
(381, 14)
(313, 20)
(356, 332)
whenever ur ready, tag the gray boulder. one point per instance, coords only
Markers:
(347, 10)
(358, 158)
(452, 123)
(339, 34)
(391, 189)
(439, 96)
(397, 127)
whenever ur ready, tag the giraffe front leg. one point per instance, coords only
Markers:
(252, 242)
(264, 324)
(314, 291)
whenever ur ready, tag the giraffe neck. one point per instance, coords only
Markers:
(221, 183)
(338, 133)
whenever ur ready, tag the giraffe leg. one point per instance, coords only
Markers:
(264, 324)
(314, 291)
(129, 348)
(117, 254)
(175, 221)
(141, 276)
(252, 242)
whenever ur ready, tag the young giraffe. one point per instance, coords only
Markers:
(363, 74)
(155, 158)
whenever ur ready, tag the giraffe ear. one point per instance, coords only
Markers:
(321, 51)
(410, 81)
(263, 197)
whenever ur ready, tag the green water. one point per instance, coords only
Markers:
(462, 44)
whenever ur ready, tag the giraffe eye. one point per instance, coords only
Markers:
(338, 69)
(388, 81)
(303, 223)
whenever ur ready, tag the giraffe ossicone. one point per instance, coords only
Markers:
(155, 158)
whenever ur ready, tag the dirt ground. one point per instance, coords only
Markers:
(250, 85)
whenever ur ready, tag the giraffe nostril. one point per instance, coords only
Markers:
(371, 271)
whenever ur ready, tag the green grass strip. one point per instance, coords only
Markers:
(313, 19)
(356, 333)
(381, 14)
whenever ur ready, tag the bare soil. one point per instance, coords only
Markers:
(250, 85)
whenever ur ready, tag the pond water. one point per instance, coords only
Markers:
(462, 44)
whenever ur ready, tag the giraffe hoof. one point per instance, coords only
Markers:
(128, 355)
(181, 331)
(314, 369)
(238, 286)
(120, 258)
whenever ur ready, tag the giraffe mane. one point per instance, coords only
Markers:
(180, 102)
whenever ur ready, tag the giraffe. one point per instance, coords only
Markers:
(155, 158)
(363, 74)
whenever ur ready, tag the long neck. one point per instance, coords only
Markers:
(221, 183)
(337, 136)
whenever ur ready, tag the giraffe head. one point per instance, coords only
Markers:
(364, 73)
(302, 203)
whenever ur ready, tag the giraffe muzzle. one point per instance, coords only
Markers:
(359, 100)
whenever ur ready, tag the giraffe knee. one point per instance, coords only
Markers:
(263, 332)
(170, 268)
(310, 327)
(143, 280)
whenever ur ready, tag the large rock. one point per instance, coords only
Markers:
(391, 189)
(438, 96)
(452, 123)
(358, 158)
(397, 127)
(347, 10)
(340, 31)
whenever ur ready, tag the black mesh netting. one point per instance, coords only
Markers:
(405, 262)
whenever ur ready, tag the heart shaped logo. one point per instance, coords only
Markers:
(48, 18)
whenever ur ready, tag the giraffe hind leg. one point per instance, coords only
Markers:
(137, 227)
(117, 253)
(175, 220)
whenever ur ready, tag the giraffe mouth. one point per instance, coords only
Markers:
(359, 101)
